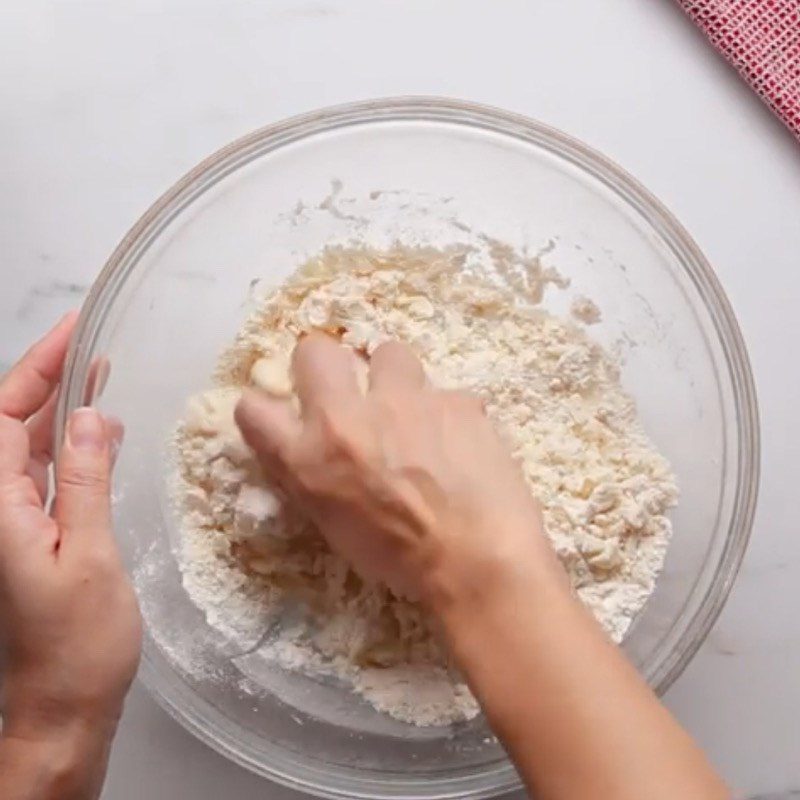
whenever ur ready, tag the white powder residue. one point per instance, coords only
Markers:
(553, 393)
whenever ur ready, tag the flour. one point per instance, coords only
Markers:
(585, 310)
(555, 396)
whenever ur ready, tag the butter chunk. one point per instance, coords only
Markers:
(273, 376)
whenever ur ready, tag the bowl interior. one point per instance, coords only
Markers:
(179, 287)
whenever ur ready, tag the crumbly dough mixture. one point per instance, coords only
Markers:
(553, 393)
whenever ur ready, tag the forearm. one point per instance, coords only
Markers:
(574, 715)
(67, 764)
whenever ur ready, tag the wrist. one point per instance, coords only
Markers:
(78, 732)
(33, 711)
(62, 763)
(498, 589)
(59, 748)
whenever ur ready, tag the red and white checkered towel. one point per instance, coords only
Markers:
(761, 38)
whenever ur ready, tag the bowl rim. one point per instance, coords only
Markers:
(502, 777)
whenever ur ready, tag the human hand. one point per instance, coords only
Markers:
(409, 483)
(415, 488)
(68, 615)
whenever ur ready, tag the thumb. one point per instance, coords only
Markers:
(83, 505)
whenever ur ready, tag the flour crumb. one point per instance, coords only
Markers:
(585, 310)
(553, 393)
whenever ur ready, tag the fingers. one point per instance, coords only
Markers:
(269, 425)
(14, 448)
(40, 429)
(30, 382)
(83, 504)
(323, 373)
(41, 432)
(40, 435)
(465, 401)
(23, 524)
(394, 367)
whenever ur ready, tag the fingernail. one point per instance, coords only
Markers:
(86, 430)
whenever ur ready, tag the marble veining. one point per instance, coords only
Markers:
(60, 290)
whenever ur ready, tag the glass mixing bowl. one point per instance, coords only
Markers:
(176, 290)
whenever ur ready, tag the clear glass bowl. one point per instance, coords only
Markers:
(422, 170)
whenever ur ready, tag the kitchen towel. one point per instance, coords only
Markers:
(761, 38)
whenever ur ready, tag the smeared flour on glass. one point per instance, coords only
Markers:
(555, 395)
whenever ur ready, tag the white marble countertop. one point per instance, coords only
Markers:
(105, 104)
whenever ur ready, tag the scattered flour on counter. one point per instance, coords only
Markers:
(554, 395)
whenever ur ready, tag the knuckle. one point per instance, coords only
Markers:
(286, 459)
(92, 569)
(279, 457)
(339, 447)
(99, 565)
(336, 430)
(390, 407)
(464, 401)
(17, 496)
(15, 493)
(13, 434)
(84, 480)
(274, 458)
(303, 475)
(307, 479)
